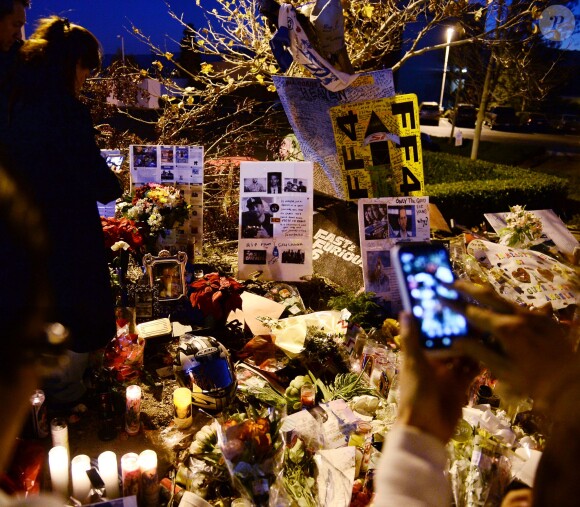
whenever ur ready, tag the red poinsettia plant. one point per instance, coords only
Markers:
(121, 229)
(216, 296)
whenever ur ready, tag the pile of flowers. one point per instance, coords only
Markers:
(155, 208)
(523, 228)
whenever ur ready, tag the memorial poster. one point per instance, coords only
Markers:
(384, 222)
(275, 234)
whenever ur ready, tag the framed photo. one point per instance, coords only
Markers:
(166, 275)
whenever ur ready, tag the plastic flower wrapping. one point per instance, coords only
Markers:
(251, 447)
(155, 208)
(522, 230)
(124, 354)
(485, 455)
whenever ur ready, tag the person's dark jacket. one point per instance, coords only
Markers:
(51, 140)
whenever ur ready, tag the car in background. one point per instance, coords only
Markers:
(466, 116)
(502, 118)
(429, 113)
(534, 122)
(569, 124)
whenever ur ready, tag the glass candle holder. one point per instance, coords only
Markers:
(182, 414)
(109, 472)
(59, 432)
(80, 480)
(130, 474)
(58, 463)
(307, 396)
(133, 410)
(149, 487)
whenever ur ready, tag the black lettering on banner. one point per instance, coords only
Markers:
(351, 162)
(347, 124)
(354, 191)
(410, 182)
(408, 142)
(404, 108)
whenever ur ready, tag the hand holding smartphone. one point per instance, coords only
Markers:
(424, 274)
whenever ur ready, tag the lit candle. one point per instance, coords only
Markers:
(130, 474)
(149, 488)
(109, 473)
(58, 464)
(80, 480)
(182, 408)
(132, 415)
(59, 432)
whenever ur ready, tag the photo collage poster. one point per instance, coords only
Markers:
(384, 222)
(181, 167)
(276, 206)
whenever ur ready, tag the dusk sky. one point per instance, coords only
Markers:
(108, 19)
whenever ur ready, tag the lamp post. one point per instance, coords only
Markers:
(122, 48)
(449, 35)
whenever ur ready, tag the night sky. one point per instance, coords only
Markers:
(108, 19)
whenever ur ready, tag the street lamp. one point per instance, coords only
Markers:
(449, 35)
(122, 48)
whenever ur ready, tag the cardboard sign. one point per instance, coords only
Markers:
(381, 133)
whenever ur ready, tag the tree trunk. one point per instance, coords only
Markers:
(482, 108)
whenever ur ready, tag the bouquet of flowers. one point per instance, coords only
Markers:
(522, 230)
(155, 208)
(250, 447)
(216, 296)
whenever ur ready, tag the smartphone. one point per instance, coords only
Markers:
(423, 273)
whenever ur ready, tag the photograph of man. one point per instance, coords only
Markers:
(378, 264)
(274, 183)
(403, 228)
(253, 185)
(301, 187)
(256, 222)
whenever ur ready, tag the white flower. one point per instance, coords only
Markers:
(120, 245)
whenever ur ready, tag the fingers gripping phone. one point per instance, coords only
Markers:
(424, 272)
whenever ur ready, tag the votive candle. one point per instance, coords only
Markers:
(133, 412)
(80, 480)
(109, 472)
(130, 474)
(182, 408)
(149, 488)
(58, 464)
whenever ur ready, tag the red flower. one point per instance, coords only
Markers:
(216, 295)
(121, 229)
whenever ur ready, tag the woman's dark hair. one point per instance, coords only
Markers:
(52, 52)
